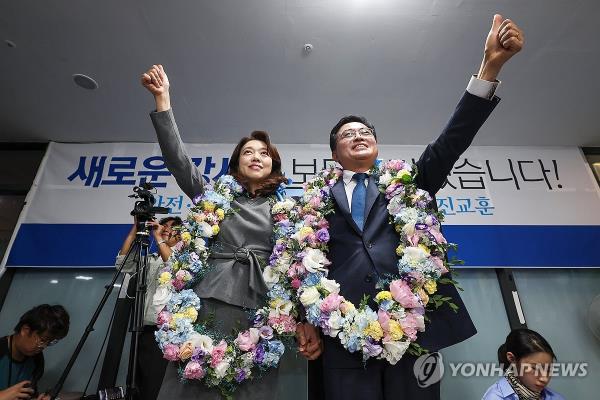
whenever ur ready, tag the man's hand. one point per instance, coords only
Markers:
(21, 390)
(43, 396)
(309, 341)
(157, 229)
(156, 81)
(504, 40)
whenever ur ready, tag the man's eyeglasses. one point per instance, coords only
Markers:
(350, 134)
(42, 343)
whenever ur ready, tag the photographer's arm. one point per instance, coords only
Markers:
(163, 247)
(176, 159)
(130, 265)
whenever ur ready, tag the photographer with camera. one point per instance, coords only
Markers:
(150, 363)
(21, 354)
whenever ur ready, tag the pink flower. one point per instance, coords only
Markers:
(331, 302)
(295, 270)
(412, 323)
(164, 317)
(402, 293)
(315, 202)
(296, 283)
(178, 285)
(193, 370)
(384, 320)
(218, 353)
(437, 235)
(247, 340)
(414, 238)
(283, 324)
(439, 263)
(171, 352)
(309, 220)
(323, 224)
(181, 275)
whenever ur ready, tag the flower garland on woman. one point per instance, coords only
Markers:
(201, 352)
(215, 277)
(388, 332)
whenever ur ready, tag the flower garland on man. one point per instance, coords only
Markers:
(368, 285)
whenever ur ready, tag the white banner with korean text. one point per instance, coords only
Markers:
(504, 206)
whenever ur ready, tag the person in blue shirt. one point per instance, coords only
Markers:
(526, 358)
(21, 358)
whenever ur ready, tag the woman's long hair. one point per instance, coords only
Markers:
(275, 178)
(523, 342)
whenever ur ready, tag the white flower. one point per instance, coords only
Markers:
(221, 369)
(203, 342)
(284, 262)
(335, 322)
(285, 205)
(270, 276)
(414, 255)
(315, 260)
(394, 350)
(280, 306)
(395, 205)
(386, 178)
(309, 296)
(205, 229)
(409, 215)
(200, 244)
(161, 297)
(330, 285)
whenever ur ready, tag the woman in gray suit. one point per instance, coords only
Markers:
(244, 242)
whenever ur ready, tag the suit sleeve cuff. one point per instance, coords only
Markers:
(481, 88)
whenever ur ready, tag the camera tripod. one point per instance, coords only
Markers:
(139, 250)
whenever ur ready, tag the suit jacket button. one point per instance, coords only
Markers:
(369, 278)
(370, 245)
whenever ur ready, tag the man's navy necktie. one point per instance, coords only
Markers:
(359, 195)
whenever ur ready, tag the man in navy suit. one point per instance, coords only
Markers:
(363, 242)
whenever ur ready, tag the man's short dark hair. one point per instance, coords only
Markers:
(346, 120)
(176, 221)
(45, 319)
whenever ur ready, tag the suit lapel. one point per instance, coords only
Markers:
(339, 194)
(372, 195)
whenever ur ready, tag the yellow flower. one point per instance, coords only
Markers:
(186, 237)
(399, 250)
(215, 229)
(208, 206)
(347, 307)
(431, 286)
(396, 331)
(176, 266)
(305, 231)
(164, 278)
(220, 214)
(424, 248)
(175, 319)
(374, 330)
(191, 313)
(383, 295)
(398, 228)
(424, 297)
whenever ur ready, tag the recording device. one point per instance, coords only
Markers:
(144, 209)
(115, 393)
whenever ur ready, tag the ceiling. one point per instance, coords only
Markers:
(236, 66)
